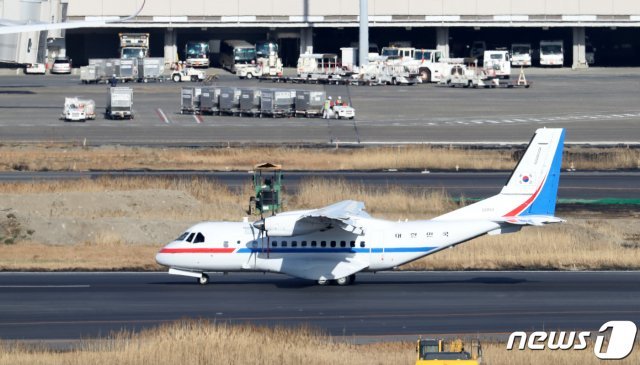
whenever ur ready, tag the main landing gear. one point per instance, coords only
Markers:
(203, 280)
(347, 280)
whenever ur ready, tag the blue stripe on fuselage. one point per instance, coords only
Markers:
(338, 250)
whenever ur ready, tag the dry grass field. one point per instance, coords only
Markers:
(75, 157)
(201, 343)
(68, 225)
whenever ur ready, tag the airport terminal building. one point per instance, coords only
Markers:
(612, 27)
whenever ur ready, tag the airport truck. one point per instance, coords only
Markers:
(497, 63)
(428, 63)
(551, 53)
(120, 103)
(134, 45)
(521, 54)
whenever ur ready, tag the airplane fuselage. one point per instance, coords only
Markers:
(383, 245)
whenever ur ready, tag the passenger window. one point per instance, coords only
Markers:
(314, 243)
(304, 243)
(226, 244)
(284, 243)
(323, 243)
(333, 243)
(191, 237)
(238, 242)
(274, 244)
(294, 243)
(199, 238)
(343, 244)
(362, 244)
(352, 243)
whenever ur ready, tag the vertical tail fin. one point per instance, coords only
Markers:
(532, 188)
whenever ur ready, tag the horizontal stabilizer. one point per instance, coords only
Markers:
(530, 220)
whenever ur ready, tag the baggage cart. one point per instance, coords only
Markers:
(128, 69)
(151, 69)
(190, 100)
(120, 103)
(249, 102)
(210, 100)
(88, 74)
(277, 103)
(310, 103)
(229, 101)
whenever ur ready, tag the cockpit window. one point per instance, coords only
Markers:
(182, 236)
(199, 238)
(191, 237)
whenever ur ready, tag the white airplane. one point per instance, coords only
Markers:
(12, 27)
(334, 243)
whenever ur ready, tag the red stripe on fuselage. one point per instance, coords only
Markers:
(197, 250)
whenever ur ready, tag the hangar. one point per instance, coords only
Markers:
(610, 26)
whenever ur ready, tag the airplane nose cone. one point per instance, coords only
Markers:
(163, 259)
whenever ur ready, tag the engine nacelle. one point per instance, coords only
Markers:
(288, 225)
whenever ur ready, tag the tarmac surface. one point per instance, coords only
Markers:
(70, 306)
(573, 185)
(596, 106)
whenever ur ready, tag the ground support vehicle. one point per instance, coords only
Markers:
(89, 74)
(151, 69)
(497, 63)
(270, 66)
(521, 54)
(387, 72)
(188, 74)
(277, 103)
(120, 103)
(551, 53)
(441, 352)
(249, 102)
(134, 45)
(35, 69)
(210, 100)
(310, 103)
(78, 110)
(197, 54)
(229, 101)
(236, 54)
(429, 64)
(267, 185)
(190, 100)
(469, 75)
(341, 112)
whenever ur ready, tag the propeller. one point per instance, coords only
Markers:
(261, 225)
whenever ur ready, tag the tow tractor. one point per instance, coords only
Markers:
(441, 352)
(267, 185)
(188, 74)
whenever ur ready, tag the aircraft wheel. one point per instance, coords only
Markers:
(203, 280)
(343, 281)
(323, 282)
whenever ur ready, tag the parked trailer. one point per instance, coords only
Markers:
(277, 103)
(229, 101)
(310, 103)
(210, 100)
(120, 103)
(249, 102)
(190, 100)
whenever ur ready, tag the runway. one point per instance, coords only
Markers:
(69, 306)
(622, 185)
(596, 106)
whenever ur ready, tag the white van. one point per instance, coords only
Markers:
(551, 53)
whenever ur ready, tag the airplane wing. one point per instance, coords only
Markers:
(11, 26)
(343, 214)
(323, 269)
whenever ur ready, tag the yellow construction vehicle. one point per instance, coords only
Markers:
(441, 352)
